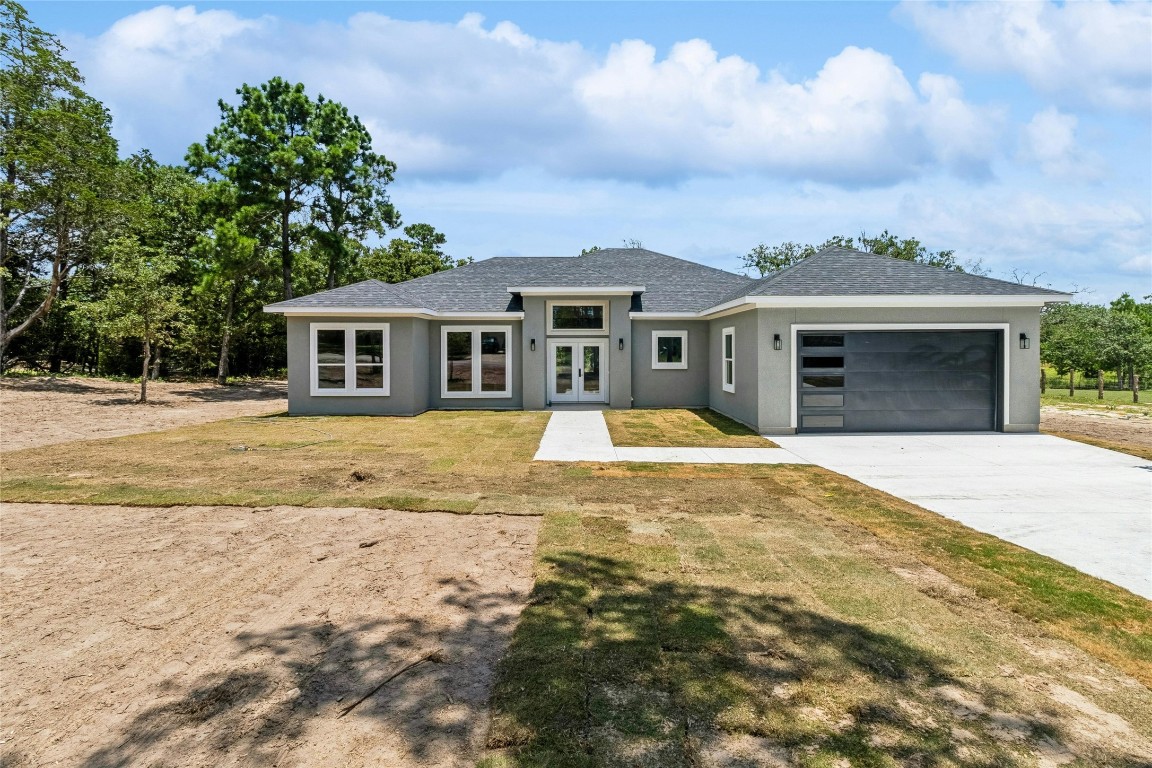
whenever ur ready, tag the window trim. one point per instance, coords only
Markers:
(349, 389)
(476, 331)
(727, 386)
(659, 366)
(554, 331)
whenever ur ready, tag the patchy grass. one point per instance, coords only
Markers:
(1114, 400)
(680, 427)
(686, 614)
(1142, 451)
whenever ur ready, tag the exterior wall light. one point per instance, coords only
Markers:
(620, 345)
(777, 343)
(1025, 342)
(532, 345)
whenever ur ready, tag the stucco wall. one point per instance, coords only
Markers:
(670, 388)
(407, 372)
(775, 407)
(742, 404)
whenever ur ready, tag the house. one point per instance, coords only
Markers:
(842, 341)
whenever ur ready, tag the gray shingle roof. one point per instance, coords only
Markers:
(845, 272)
(671, 284)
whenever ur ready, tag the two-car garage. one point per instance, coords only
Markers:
(898, 380)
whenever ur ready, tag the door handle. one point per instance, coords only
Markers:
(579, 372)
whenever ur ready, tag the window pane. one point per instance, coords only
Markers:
(822, 381)
(458, 361)
(729, 376)
(823, 362)
(823, 341)
(563, 370)
(583, 317)
(728, 338)
(669, 349)
(369, 346)
(493, 361)
(591, 378)
(330, 346)
(330, 376)
(369, 376)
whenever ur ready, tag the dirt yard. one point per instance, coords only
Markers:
(44, 411)
(232, 636)
(1130, 432)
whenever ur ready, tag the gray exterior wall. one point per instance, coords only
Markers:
(670, 388)
(743, 404)
(774, 407)
(434, 365)
(408, 379)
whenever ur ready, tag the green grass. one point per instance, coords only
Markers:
(1086, 398)
(680, 427)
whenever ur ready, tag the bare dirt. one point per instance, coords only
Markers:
(44, 411)
(1120, 428)
(232, 636)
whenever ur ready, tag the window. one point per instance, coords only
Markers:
(811, 340)
(669, 350)
(475, 361)
(728, 363)
(349, 358)
(578, 318)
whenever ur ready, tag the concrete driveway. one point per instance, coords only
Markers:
(1084, 506)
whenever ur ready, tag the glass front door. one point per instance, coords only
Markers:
(577, 371)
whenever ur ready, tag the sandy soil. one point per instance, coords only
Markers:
(1125, 428)
(44, 411)
(227, 636)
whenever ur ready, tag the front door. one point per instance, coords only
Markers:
(578, 371)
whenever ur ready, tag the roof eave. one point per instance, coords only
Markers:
(418, 312)
(559, 290)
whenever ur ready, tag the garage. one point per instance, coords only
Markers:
(898, 381)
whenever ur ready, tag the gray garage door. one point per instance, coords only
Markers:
(898, 381)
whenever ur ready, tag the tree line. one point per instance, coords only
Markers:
(116, 265)
(1095, 340)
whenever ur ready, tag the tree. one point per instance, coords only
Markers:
(1071, 339)
(417, 256)
(586, 251)
(1128, 343)
(58, 159)
(766, 259)
(142, 302)
(232, 262)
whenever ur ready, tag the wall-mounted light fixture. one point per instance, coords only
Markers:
(777, 343)
(532, 345)
(1025, 342)
(620, 345)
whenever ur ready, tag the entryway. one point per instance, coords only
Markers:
(578, 371)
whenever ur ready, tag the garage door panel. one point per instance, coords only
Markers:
(872, 381)
(915, 399)
(960, 420)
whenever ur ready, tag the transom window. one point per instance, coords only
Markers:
(475, 361)
(669, 350)
(728, 359)
(349, 358)
(578, 317)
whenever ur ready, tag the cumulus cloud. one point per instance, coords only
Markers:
(467, 99)
(1049, 141)
(1087, 52)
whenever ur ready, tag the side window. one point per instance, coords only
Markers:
(669, 350)
(475, 361)
(349, 359)
(728, 363)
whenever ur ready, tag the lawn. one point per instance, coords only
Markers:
(1114, 400)
(680, 427)
(690, 615)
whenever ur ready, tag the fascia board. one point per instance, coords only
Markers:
(611, 290)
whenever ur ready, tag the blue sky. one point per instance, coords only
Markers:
(1017, 134)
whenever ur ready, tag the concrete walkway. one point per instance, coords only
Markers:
(1084, 506)
(583, 436)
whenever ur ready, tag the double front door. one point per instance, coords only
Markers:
(578, 371)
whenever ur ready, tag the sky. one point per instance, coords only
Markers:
(1017, 134)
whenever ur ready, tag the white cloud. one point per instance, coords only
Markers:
(1091, 52)
(1049, 140)
(465, 99)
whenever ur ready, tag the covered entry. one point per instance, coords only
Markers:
(898, 381)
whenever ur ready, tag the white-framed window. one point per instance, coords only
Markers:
(728, 359)
(669, 350)
(578, 318)
(476, 361)
(348, 359)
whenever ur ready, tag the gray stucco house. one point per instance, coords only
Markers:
(842, 341)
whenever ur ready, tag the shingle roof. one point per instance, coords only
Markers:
(845, 272)
(670, 284)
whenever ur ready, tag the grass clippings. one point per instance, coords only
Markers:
(680, 428)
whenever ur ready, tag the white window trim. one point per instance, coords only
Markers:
(727, 386)
(659, 366)
(476, 331)
(553, 331)
(349, 389)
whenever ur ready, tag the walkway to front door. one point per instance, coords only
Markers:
(578, 371)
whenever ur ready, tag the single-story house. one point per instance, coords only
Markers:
(842, 341)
